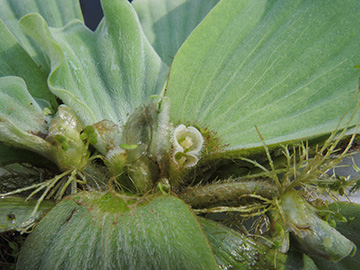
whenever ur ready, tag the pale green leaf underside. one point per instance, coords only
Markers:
(101, 75)
(57, 13)
(167, 23)
(22, 122)
(16, 62)
(19, 107)
(286, 67)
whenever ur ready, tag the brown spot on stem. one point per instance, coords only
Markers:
(39, 134)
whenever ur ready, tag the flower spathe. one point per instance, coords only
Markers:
(188, 143)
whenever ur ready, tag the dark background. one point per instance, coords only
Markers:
(92, 12)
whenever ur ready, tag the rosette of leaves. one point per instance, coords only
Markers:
(155, 147)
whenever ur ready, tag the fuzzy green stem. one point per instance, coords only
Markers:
(227, 194)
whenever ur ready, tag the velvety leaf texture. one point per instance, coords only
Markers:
(287, 67)
(94, 231)
(101, 75)
(57, 13)
(15, 61)
(22, 122)
(167, 23)
(19, 107)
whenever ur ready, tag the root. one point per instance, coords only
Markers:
(57, 184)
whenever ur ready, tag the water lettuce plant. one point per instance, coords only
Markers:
(179, 134)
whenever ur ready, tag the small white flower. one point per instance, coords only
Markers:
(188, 142)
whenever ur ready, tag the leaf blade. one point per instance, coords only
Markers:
(160, 234)
(57, 13)
(93, 72)
(289, 70)
(16, 62)
(349, 230)
(167, 24)
(234, 250)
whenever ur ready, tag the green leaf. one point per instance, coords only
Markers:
(167, 23)
(348, 229)
(314, 235)
(56, 12)
(101, 75)
(286, 67)
(15, 213)
(234, 250)
(16, 62)
(9, 155)
(298, 260)
(23, 125)
(102, 231)
(20, 108)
